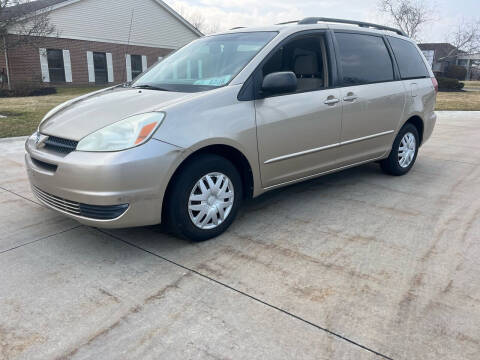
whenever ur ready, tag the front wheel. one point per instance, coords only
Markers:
(204, 198)
(404, 151)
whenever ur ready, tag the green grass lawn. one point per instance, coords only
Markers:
(23, 114)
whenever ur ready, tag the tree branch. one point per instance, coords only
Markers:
(408, 15)
(21, 19)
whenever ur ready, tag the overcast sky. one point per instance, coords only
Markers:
(231, 13)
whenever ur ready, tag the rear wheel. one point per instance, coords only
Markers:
(204, 198)
(404, 152)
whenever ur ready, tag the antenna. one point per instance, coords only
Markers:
(127, 46)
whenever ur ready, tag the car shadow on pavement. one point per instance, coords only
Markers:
(323, 189)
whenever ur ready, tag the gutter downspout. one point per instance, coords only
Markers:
(6, 62)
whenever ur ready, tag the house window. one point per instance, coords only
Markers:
(56, 68)
(136, 65)
(100, 67)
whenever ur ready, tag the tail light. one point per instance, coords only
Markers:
(435, 84)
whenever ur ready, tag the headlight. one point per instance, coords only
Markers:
(124, 134)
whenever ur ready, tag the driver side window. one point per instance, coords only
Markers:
(306, 58)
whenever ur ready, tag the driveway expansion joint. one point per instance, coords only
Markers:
(23, 197)
(330, 332)
(40, 239)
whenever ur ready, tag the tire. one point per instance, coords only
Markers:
(189, 201)
(399, 163)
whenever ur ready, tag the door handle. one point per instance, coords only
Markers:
(413, 89)
(350, 97)
(331, 101)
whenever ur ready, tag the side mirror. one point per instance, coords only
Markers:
(280, 82)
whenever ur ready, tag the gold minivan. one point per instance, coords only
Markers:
(230, 116)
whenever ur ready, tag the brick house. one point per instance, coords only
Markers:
(439, 55)
(98, 42)
(442, 55)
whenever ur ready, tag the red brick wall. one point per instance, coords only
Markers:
(25, 61)
(2, 61)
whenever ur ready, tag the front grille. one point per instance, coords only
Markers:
(64, 146)
(97, 212)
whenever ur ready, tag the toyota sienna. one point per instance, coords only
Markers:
(231, 116)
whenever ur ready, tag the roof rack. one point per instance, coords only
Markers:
(237, 27)
(314, 20)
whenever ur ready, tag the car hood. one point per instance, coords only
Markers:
(82, 116)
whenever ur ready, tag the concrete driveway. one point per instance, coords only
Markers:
(354, 265)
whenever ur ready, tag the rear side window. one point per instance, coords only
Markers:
(364, 59)
(408, 58)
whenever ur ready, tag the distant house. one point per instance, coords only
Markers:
(472, 63)
(442, 55)
(98, 41)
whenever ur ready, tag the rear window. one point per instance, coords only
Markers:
(364, 59)
(409, 59)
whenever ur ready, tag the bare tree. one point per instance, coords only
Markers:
(197, 20)
(466, 37)
(408, 15)
(22, 22)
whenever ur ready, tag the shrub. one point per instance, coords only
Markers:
(43, 91)
(27, 91)
(4, 93)
(456, 72)
(447, 84)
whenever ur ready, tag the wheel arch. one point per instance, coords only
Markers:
(231, 153)
(418, 122)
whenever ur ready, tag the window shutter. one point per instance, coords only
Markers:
(110, 67)
(129, 67)
(67, 65)
(44, 65)
(144, 63)
(91, 67)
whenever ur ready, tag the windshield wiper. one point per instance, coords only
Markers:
(149, 87)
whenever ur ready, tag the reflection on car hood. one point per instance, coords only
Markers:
(82, 116)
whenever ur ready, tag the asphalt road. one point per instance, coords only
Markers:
(354, 265)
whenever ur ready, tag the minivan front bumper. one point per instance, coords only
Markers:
(104, 189)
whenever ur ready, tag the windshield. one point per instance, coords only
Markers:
(205, 64)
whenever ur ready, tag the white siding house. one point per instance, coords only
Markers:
(140, 22)
(99, 41)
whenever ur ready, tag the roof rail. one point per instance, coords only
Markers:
(314, 20)
(288, 22)
(237, 27)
